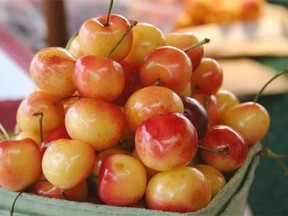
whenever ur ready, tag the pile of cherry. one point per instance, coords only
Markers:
(128, 116)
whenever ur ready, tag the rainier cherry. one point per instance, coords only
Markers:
(39, 102)
(99, 77)
(95, 121)
(250, 119)
(184, 189)
(184, 40)
(66, 163)
(122, 180)
(166, 141)
(232, 147)
(166, 66)
(51, 70)
(20, 163)
(151, 101)
(146, 37)
(98, 36)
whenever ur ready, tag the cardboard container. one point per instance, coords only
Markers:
(231, 200)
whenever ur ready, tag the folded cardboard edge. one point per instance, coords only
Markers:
(29, 204)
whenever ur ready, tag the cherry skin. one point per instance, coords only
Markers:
(39, 102)
(42, 187)
(208, 77)
(184, 189)
(233, 148)
(98, 77)
(95, 121)
(215, 178)
(197, 114)
(97, 37)
(166, 66)
(122, 180)
(250, 119)
(145, 103)
(20, 163)
(66, 163)
(146, 37)
(51, 69)
(166, 141)
(58, 133)
(184, 40)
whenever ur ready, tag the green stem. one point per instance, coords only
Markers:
(258, 95)
(2, 129)
(215, 151)
(40, 115)
(199, 43)
(266, 152)
(132, 24)
(108, 14)
(71, 39)
(14, 202)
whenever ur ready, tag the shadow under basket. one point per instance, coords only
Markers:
(231, 200)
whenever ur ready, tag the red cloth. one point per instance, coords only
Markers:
(8, 111)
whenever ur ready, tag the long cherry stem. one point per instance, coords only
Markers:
(71, 39)
(5, 133)
(200, 43)
(108, 14)
(40, 115)
(14, 202)
(258, 95)
(132, 24)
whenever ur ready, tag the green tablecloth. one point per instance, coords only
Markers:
(269, 191)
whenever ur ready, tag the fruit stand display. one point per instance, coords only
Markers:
(128, 121)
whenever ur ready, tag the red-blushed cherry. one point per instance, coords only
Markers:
(145, 103)
(166, 141)
(98, 77)
(39, 102)
(20, 163)
(58, 133)
(122, 180)
(166, 66)
(184, 40)
(51, 70)
(100, 35)
(207, 78)
(231, 145)
(197, 114)
(42, 187)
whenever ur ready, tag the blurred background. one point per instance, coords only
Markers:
(250, 38)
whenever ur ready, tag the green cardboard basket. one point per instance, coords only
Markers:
(231, 200)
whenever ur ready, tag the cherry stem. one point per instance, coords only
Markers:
(266, 152)
(199, 43)
(258, 95)
(5, 133)
(132, 24)
(157, 82)
(14, 202)
(108, 14)
(71, 39)
(215, 151)
(40, 115)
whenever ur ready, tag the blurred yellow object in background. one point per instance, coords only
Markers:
(200, 12)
